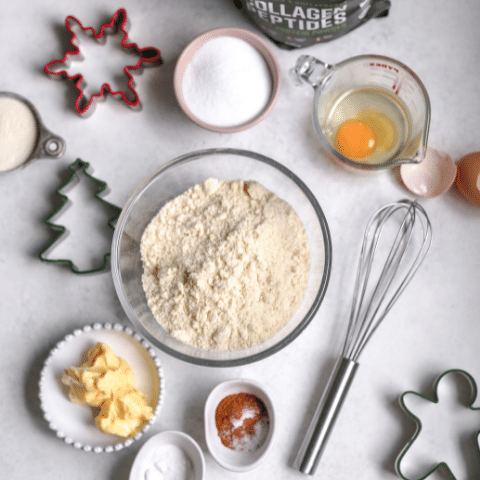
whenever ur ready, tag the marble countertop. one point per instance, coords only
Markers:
(434, 326)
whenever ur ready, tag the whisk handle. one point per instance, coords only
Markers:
(325, 416)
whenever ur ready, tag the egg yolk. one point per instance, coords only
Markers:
(355, 139)
(383, 126)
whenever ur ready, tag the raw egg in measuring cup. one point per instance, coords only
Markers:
(368, 125)
(355, 139)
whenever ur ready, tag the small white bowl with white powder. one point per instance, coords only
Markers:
(227, 80)
(170, 455)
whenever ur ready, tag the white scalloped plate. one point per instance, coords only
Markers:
(75, 423)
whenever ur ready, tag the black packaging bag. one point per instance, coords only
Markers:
(301, 23)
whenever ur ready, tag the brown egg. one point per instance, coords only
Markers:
(468, 177)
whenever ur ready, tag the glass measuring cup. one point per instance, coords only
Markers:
(381, 90)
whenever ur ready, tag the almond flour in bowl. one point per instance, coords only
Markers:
(173, 179)
(226, 265)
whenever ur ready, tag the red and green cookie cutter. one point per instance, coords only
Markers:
(435, 400)
(149, 56)
(74, 168)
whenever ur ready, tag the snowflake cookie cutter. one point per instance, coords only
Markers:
(435, 400)
(74, 168)
(149, 56)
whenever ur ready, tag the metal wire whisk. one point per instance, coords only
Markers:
(371, 302)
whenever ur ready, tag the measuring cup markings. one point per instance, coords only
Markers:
(391, 73)
(390, 79)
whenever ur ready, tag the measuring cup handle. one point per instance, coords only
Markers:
(49, 145)
(309, 70)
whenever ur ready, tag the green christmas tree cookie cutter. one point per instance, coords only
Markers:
(435, 400)
(74, 168)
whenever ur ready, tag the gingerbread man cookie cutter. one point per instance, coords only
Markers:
(435, 400)
(149, 56)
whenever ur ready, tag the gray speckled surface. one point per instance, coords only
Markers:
(433, 327)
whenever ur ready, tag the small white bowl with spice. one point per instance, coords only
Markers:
(240, 424)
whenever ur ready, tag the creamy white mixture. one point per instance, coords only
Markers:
(226, 265)
(18, 133)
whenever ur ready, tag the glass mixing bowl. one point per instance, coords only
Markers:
(175, 178)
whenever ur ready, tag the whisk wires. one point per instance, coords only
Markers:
(371, 303)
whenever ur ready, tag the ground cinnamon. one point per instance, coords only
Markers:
(242, 421)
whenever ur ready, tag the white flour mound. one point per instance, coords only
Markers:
(226, 265)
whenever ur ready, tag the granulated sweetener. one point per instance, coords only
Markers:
(227, 83)
(226, 265)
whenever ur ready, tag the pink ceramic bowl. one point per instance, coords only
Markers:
(257, 42)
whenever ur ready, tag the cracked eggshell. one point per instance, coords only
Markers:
(432, 177)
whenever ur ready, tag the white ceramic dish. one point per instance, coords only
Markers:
(432, 177)
(75, 423)
(238, 461)
(146, 454)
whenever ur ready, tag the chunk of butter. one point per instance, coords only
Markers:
(105, 381)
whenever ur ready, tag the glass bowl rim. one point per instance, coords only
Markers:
(118, 233)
